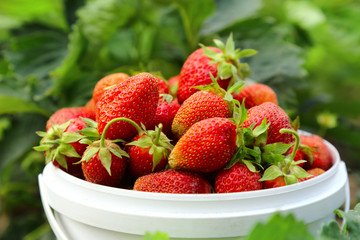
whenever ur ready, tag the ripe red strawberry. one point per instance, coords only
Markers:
(320, 153)
(91, 105)
(314, 172)
(135, 98)
(274, 115)
(163, 86)
(221, 61)
(165, 113)
(61, 146)
(199, 106)
(206, 147)
(65, 114)
(195, 72)
(173, 83)
(256, 94)
(172, 181)
(274, 183)
(148, 151)
(104, 163)
(237, 179)
(107, 82)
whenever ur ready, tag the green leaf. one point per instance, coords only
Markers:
(143, 142)
(246, 53)
(89, 153)
(277, 148)
(67, 150)
(11, 105)
(224, 70)
(290, 179)
(299, 172)
(156, 236)
(280, 227)
(271, 173)
(261, 129)
(60, 158)
(192, 18)
(105, 158)
(228, 13)
(117, 151)
(250, 165)
(272, 158)
(70, 137)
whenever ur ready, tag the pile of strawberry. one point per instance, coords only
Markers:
(215, 132)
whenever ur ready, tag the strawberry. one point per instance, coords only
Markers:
(274, 115)
(313, 172)
(148, 151)
(107, 82)
(135, 98)
(274, 183)
(173, 84)
(65, 114)
(237, 179)
(284, 170)
(206, 147)
(319, 154)
(104, 162)
(165, 113)
(91, 105)
(208, 103)
(163, 86)
(256, 94)
(61, 145)
(221, 61)
(172, 181)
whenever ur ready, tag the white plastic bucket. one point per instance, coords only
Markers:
(77, 209)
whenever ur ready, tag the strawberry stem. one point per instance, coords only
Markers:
(158, 133)
(102, 140)
(296, 146)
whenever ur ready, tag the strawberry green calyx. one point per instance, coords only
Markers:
(226, 95)
(56, 143)
(286, 167)
(156, 141)
(229, 65)
(104, 148)
(90, 132)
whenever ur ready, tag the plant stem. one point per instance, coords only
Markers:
(296, 146)
(102, 140)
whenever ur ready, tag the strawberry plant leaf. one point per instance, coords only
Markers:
(246, 53)
(12, 105)
(250, 165)
(156, 236)
(280, 227)
(228, 13)
(224, 70)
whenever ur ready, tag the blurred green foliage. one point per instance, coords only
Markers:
(53, 52)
